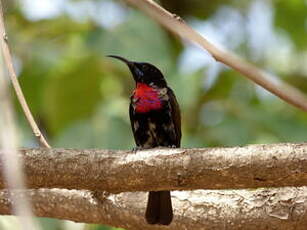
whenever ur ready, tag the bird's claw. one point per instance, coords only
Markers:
(135, 149)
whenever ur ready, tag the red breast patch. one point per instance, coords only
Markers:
(146, 98)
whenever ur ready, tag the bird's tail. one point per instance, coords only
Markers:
(159, 208)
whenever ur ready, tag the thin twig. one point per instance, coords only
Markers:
(9, 64)
(176, 25)
(14, 177)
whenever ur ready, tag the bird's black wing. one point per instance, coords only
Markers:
(175, 114)
(132, 120)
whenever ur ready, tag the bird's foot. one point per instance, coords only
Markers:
(137, 148)
(172, 146)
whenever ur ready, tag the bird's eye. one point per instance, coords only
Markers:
(139, 72)
(145, 68)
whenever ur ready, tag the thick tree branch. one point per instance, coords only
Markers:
(176, 25)
(9, 64)
(282, 208)
(252, 166)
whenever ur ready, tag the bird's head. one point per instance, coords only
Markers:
(144, 72)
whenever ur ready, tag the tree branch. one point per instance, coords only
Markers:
(176, 25)
(252, 166)
(9, 64)
(282, 208)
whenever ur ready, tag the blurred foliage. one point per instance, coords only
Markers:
(80, 98)
(297, 11)
(198, 8)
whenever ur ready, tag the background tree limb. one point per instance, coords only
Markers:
(176, 25)
(11, 164)
(252, 166)
(281, 208)
(9, 64)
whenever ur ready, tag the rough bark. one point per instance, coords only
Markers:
(280, 208)
(252, 166)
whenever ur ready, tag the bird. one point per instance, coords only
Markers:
(156, 122)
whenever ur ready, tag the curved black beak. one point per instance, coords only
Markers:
(129, 63)
(136, 73)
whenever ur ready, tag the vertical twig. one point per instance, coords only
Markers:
(176, 25)
(9, 64)
(10, 160)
